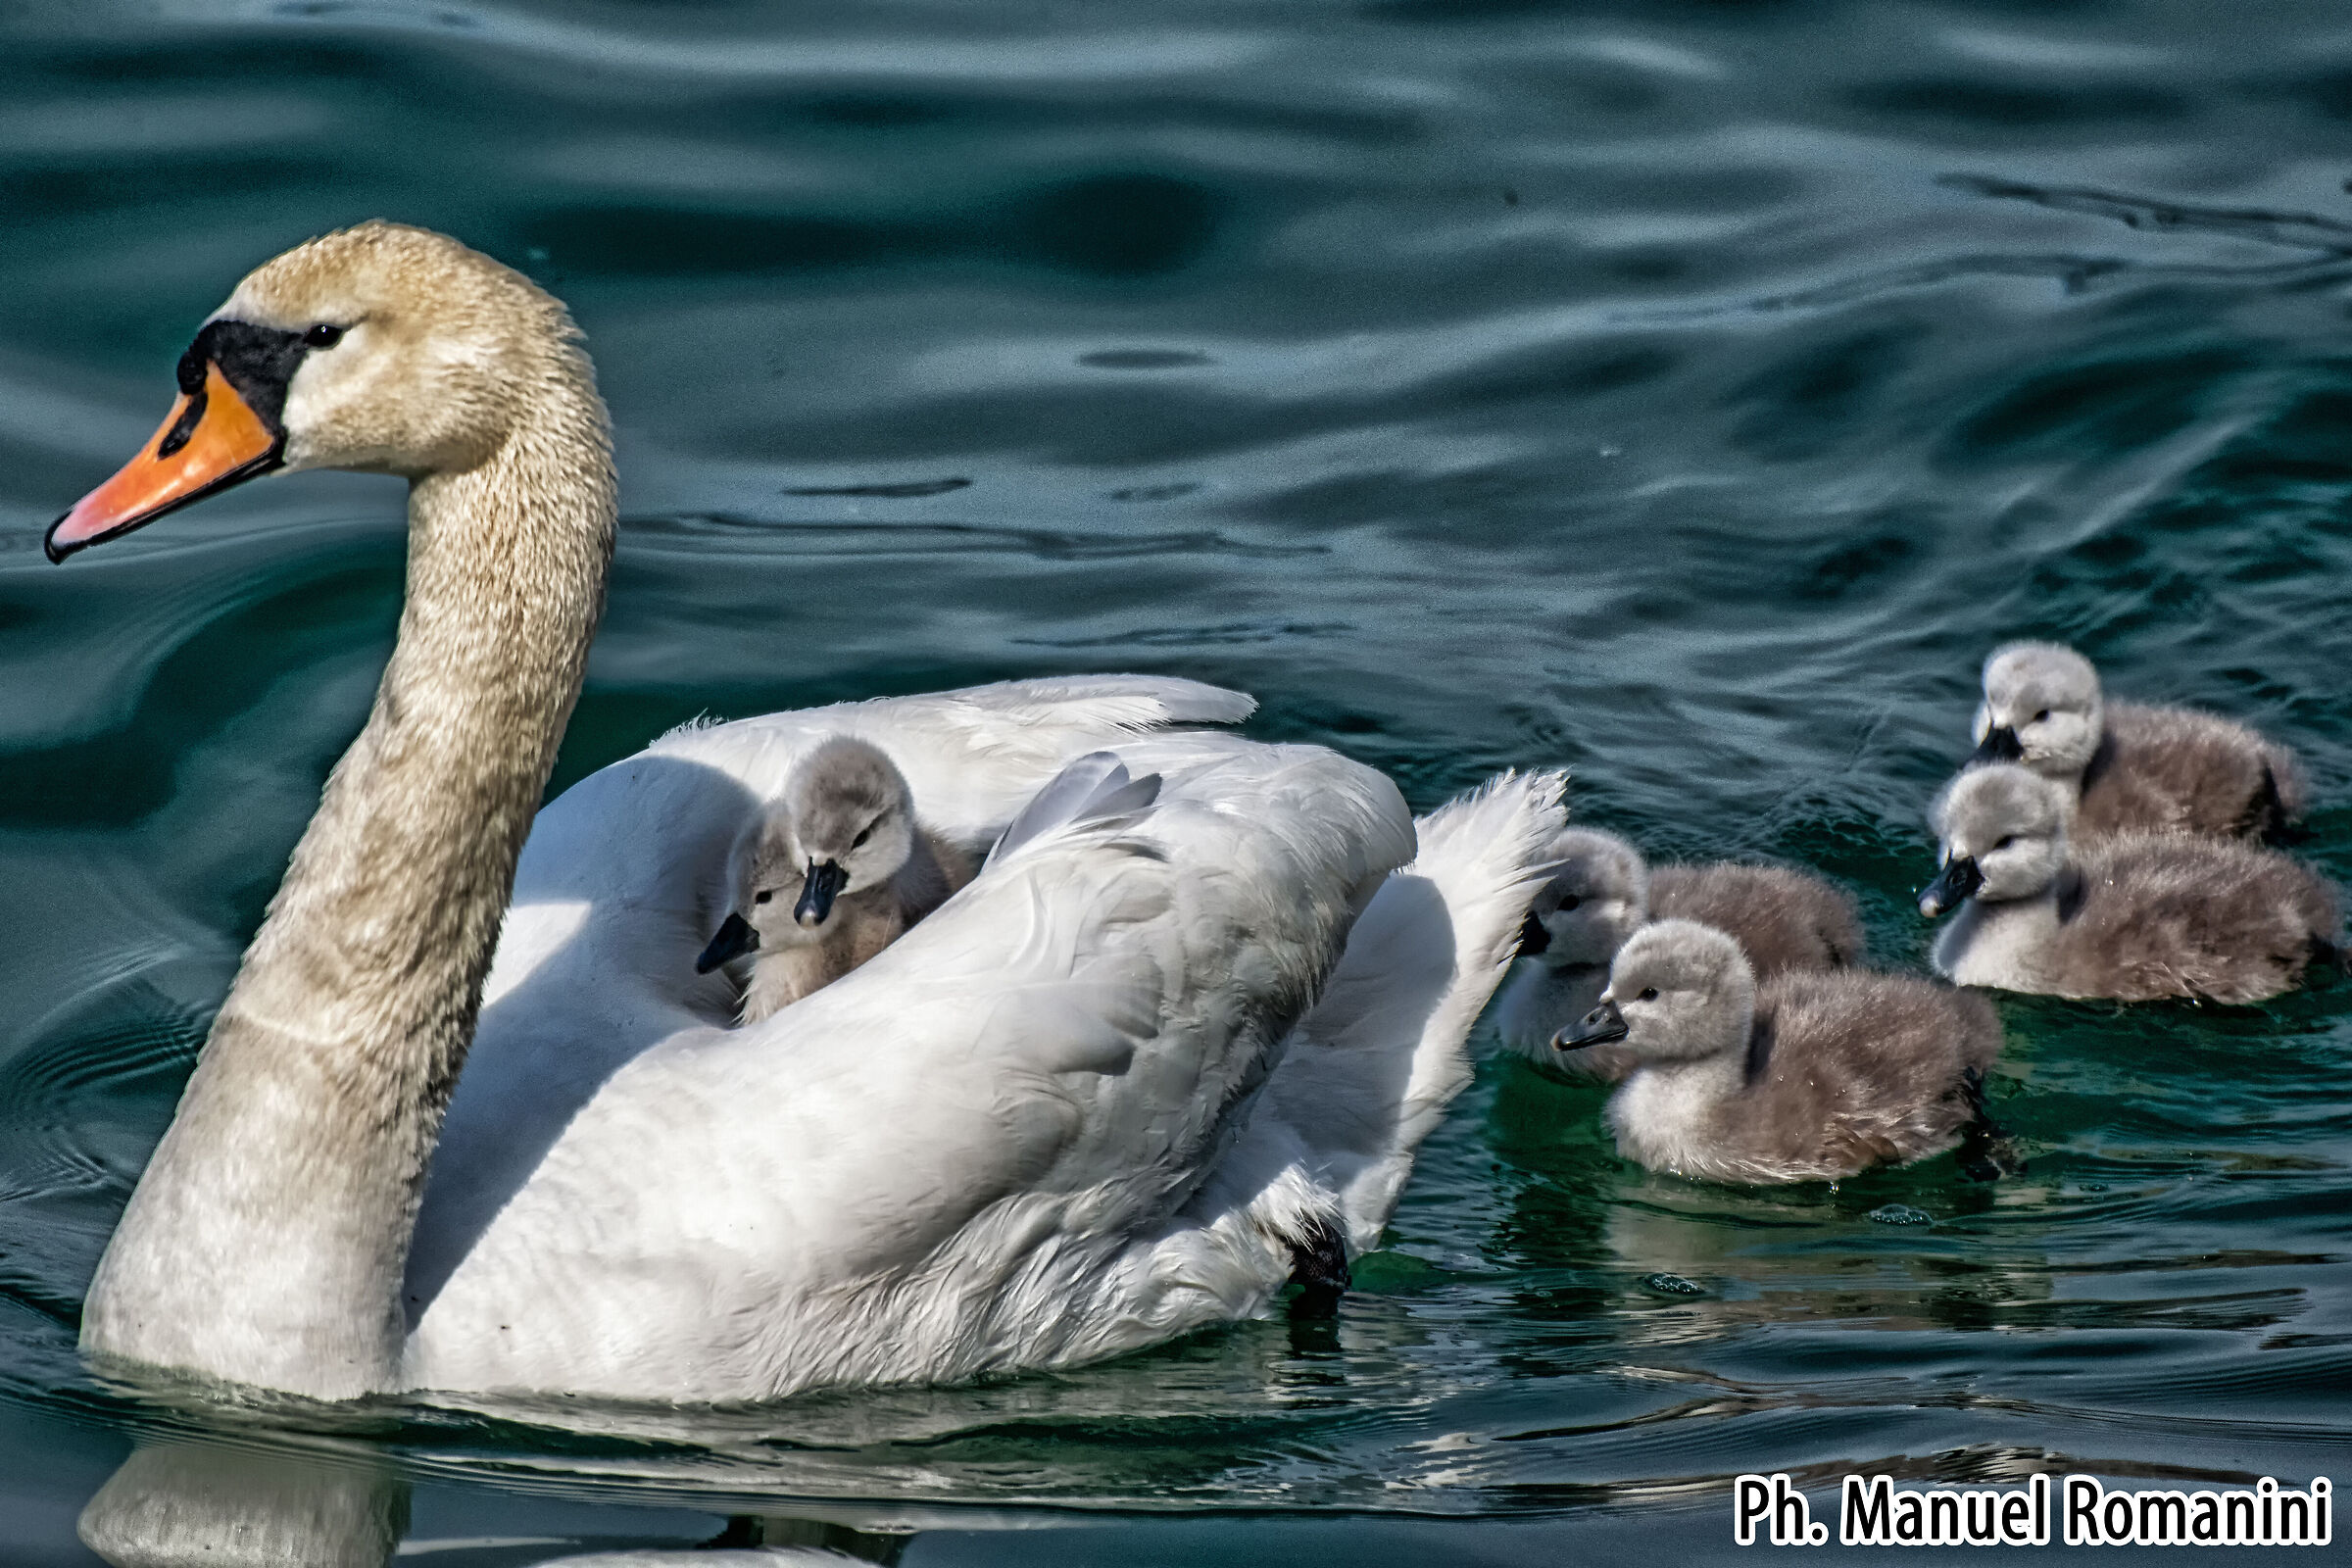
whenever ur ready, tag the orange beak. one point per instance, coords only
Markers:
(213, 440)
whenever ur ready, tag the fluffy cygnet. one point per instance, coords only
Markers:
(1814, 1076)
(1603, 892)
(830, 875)
(2131, 917)
(2132, 769)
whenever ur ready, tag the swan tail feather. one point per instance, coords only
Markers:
(1364, 1076)
(1373, 1067)
(1489, 853)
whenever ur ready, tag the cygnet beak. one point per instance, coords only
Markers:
(213, 439)
(735, 939)
(824, 885)
(1958, 880)
(1999, 744)
(1599, 1027)
(1533, 937)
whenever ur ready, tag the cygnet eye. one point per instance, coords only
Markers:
(323, 336)
(764, 895)
(2007, 839)
(1569, 903)
(2038, 717)
(1648, 994)
(864, 834)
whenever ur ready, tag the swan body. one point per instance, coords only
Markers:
(2131, 767)
(1036, 1182)
(1090, 1102)
(832, 873)
(2132, 917)
(1812, 1076)
(1602, 890)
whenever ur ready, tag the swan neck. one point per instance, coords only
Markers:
(266, 1241)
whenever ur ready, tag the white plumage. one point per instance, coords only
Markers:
(1035, 1130)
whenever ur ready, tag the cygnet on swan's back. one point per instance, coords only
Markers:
(832, 873)
(2132, 917)
(2132, 768)
(1813, 1075)
(1603, 892)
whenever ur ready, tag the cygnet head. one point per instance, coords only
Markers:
(1598, 895)
(381, 348)
(2042, 708)
(2004, 831)
(846, 821)
(1679, 991)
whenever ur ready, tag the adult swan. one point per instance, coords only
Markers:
(1082, 1107)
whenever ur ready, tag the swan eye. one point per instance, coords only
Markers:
(323, 336)
(2038, 717)
(1570, 902)
(763, 896)
(1648, 994)
(864, 834)
(2007, 839)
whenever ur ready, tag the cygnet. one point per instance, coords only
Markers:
(1602, 892)
(2131, 917)
(1812, 1076)
(832, 873)
(2131, 767)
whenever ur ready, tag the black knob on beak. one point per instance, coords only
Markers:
(735, 939)
(1599, 1027)
(1958, 880)
(1999, 744)
(1532, 938)
(824, 885)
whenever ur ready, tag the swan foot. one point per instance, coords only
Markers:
(818, 1534)
(1986, 1152)
(1319, 1268)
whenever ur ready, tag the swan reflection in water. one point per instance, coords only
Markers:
(233, 1505)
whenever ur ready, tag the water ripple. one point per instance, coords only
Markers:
(1689, 396)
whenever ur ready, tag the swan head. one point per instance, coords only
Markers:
(1677, 991)
(2003, 833)
(2042, 708)
(1598, 895)
(380, 348)
(844, 822)
(849, 814)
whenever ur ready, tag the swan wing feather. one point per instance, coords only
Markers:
(1095, 790)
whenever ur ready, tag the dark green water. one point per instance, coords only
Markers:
(1688, 393)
